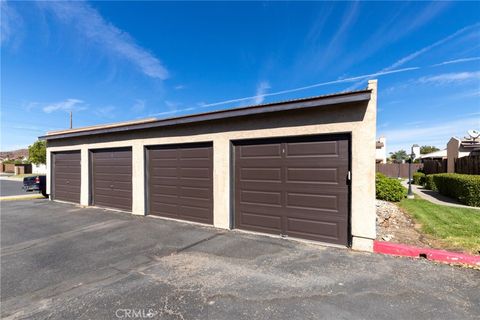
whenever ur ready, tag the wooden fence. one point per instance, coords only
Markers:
(468, 165)
(397, 170)
(434, 166)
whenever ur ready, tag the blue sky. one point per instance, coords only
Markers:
(117, 61)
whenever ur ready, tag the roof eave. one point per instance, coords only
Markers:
(335, 99)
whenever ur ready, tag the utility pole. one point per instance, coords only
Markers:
(71, 120)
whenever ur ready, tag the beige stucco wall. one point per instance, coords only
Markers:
(359, 120)
(452, 153)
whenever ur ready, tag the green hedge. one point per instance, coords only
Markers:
(389, 189)
(429, 183)
(463, 187)
(418, 178)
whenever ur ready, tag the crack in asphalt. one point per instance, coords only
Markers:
(22, 246)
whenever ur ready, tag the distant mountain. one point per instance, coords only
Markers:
(15, 154)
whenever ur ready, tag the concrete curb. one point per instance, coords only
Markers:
(442, 256)
(23, 197)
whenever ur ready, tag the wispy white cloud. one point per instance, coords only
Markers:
(417, 53)
(10, 21)
(456, 61)
(66, 105)
(170, 112)
(447, 78)
(420, 52)
(261, 91)
(105, 112)
(91, 25)
(346, 22)
(179, 87)
(346, 80)
(138, 106)
(172, 105)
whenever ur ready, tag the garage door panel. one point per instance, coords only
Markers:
(112, 178)
(309, 229)
(115, 184)
(181, 187)
(296, 188)
(115, 191)
(261, 197)
(165, 209)
(262, 223)
(164, 172)
(312, 149)
(162, 163)
(195, 163)
(66, 176)
(116, 170)
(194, 153)
(312, 201)
(163, 189)
(261, 174)
(261, 209)
(194, 213)
(118, 154)
(195, 173)
(312, 175)
(196, 192)
(167, 199)
(106, 201)
(195, 183)
(260, 151)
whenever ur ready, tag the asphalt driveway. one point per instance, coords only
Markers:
(11, 188)
(63, 262)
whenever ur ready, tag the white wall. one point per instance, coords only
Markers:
(39, 168)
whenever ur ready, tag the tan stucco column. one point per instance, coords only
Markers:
(453, 146)
(85, 176)
(49, 173)
(221, 182)
(363, 177)
(138, 179)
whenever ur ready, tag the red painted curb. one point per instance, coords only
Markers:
(430, 254)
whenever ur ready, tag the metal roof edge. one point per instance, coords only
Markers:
(303, 103)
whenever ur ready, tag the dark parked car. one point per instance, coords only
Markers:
(36, 183)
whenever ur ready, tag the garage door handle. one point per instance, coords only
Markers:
(68, 181)
(111, 186)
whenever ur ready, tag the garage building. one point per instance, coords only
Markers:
(302, 168)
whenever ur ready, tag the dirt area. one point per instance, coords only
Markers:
(393, 225)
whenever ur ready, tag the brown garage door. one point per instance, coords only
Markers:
(293, 187)
(180, 182)
(112, 178)
(66, 176)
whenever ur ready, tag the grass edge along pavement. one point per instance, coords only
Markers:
(456, 228)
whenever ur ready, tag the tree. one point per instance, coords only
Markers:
(428, 149)
(399, 156)
(37, 152)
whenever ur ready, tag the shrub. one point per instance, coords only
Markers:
(380, 176)
(429, 183)
(418, 178)
(389, 189)
(463, 187)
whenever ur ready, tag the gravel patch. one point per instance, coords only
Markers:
(393, 225)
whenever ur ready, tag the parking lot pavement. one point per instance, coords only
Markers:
(11, 188)
(59, 261)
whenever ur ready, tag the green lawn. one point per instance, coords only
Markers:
(456, 228)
